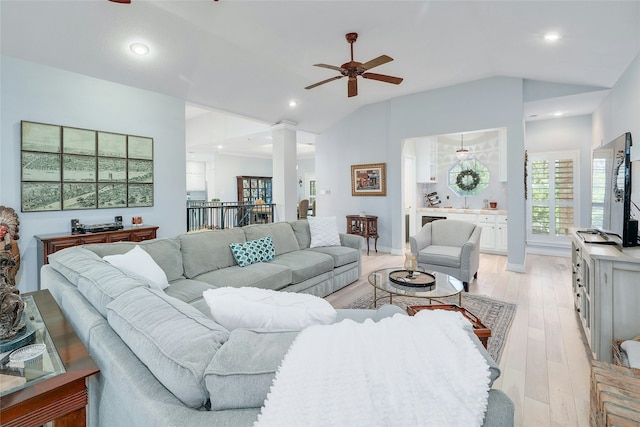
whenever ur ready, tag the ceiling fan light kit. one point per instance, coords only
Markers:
(353, 69)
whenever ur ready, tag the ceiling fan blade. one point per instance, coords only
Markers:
(383, 78)
(382, 59)
(331, 67)
(352, 87)
(323, 82)
(121, 1)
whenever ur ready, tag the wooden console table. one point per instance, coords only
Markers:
(365, 226)
(60, 395)
(50, 243)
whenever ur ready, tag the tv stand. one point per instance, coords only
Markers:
(606, 291)
(599, 237)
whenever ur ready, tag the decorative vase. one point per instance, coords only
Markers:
(410, 264)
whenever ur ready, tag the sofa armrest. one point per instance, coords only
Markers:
(351, 240)
(421, 240)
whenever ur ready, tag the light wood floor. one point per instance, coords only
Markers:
(545, 363)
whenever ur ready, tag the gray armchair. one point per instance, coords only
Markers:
(449, 246)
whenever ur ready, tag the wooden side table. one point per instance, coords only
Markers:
(60, 396)
(365, 226)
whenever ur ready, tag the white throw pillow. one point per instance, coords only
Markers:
(254, 308)
(140, 262)
(324, 231)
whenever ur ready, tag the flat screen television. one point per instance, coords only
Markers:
(611, 192)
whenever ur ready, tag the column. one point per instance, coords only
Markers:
(285, 192)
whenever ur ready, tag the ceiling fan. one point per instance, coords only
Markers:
(353, 69)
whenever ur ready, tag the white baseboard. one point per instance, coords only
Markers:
(518, 268)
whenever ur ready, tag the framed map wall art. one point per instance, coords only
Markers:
(65, 168)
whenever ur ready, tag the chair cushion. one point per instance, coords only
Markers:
(447, 256)
(174, 340)
(451, 232)
(241, 372)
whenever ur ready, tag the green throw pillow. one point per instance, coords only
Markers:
(253, 251)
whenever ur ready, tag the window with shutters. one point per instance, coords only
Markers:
(554, 198)
(598, 185)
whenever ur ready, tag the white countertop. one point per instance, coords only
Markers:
(463, 211)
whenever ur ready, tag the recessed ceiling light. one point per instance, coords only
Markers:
(292, 103)
(558, 113)
(139, 48)
(552, 37)
(219, 147)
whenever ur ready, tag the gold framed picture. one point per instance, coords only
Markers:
(369, 180)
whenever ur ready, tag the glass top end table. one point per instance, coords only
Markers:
(445, 286)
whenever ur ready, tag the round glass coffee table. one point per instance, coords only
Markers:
(445, 286)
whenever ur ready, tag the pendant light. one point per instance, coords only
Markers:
(462, 153)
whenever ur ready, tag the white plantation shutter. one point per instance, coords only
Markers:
(553, 180)
(598, 186)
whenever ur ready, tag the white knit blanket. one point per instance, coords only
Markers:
(401, 371)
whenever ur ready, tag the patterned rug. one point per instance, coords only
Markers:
(494, 314)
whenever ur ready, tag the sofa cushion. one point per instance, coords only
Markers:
(253, 308)
(302, 233)
(284, 240)
(165, 252)
(448, 256)
(209, 250)
(97, 280)
(304, 264)
(187, 290)
(264, 275)
(174, 340)
(140, 262)
(253, 251)
(241, 372)
(341, 254)
(324, 231)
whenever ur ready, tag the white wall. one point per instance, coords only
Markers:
(227, 168)
(620, 113)
(374, 133)
(42, 94)
(566, 134)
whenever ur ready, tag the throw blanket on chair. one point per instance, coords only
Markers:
(401, 371)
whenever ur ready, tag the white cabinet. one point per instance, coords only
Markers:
(606, 291)
(427, 160)
(501, 233)
(488, 236)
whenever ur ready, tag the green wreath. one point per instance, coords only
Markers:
(468, 179)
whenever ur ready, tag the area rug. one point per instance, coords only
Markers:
(494, 314)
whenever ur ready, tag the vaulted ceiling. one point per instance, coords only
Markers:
(251, 58)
